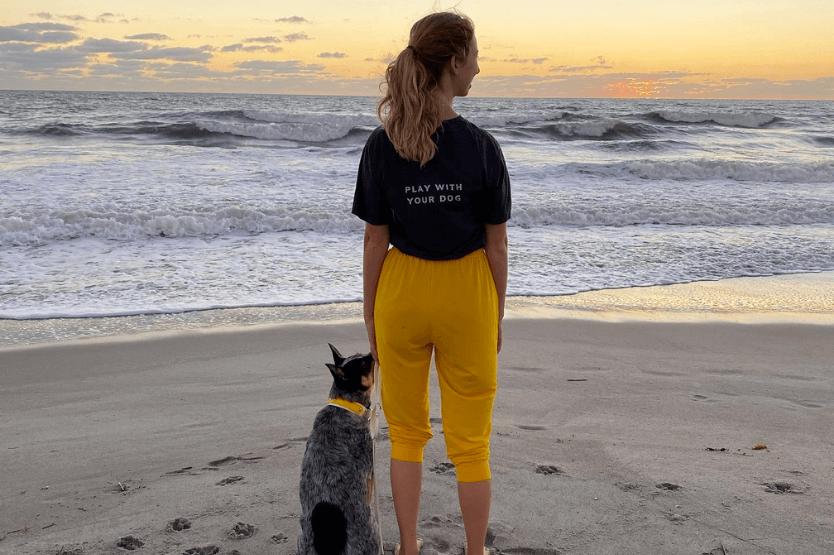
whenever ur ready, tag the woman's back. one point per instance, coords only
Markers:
(437, 211)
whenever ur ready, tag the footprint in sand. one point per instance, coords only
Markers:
(440, 545)
(548, 469)
(530, 427)
(179, 524)
(627, 486)
(229, 460)
(189, 470)
(130, 543)
(207, 550)
(668, 486)
(230, 480)
(808, 404)
(676, 518)
(280, 538)
(782, 487)
(530, 551)
(241, 531)
(443, 468)
(437, 521)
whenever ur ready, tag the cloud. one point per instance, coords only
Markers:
(600, 63)
(103, 18)
(110, 46)
(78, 18)
(41, 33)
(263, 39)
(238, 47)
(27, 58)
(263, 48)
(332, 55)
(293, 19)
(120, 68)
(296, 36)
(184, 72)
(149, 36)
(515, 60)
(267, 66)
(177, 54)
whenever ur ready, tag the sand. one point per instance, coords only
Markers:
(625, 423)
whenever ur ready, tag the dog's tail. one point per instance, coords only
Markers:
(329, 529)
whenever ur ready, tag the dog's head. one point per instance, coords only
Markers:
(352, 374)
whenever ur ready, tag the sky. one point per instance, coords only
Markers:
(750, 49)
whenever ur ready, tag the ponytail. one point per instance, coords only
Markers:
(409, 111)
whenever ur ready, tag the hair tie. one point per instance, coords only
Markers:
(414, 50)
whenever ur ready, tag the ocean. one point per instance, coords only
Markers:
(136, 203)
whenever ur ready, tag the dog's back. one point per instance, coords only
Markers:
(337, 481)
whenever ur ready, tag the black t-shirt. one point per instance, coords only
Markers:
(436, 212)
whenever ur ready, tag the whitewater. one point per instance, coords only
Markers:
(138, 203)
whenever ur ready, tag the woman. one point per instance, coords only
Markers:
(435, 187)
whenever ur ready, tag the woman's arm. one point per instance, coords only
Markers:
(375, 249)
(497, 253)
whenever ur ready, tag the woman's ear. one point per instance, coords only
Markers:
(453, 65)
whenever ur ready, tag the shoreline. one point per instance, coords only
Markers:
(806, 298)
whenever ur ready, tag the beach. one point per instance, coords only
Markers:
(627, 421)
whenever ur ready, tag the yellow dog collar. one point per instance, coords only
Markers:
(355, 408)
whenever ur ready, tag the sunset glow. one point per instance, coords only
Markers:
(603, 48)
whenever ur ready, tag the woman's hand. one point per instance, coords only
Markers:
(369, 326)
(497, 253)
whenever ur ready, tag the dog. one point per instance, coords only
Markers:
(339, 504)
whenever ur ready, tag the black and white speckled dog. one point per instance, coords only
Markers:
(339, 508)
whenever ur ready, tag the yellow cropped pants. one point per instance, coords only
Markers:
(449, 308)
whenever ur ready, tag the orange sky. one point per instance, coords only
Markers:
(599, 48)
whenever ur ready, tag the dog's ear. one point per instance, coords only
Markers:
(337, 372)
(338, 359)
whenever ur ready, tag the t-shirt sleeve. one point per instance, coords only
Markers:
(496, 206)
(369, 200)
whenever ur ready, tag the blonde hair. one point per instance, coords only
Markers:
(409, 111)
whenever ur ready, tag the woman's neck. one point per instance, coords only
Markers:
(445, 103)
